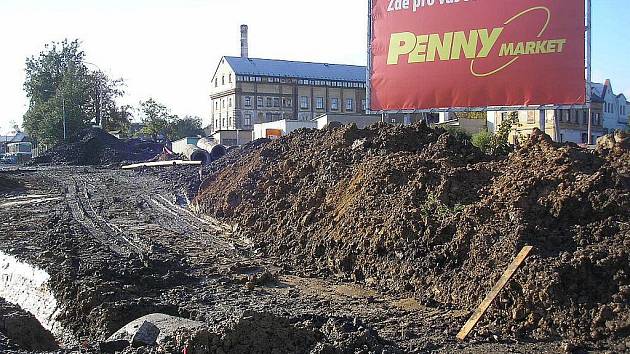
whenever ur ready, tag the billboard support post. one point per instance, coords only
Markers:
(589, 87)
(368, 72)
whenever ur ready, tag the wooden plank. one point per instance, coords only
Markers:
(496, 289)
(161, 164)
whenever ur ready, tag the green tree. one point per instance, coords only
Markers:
(187, 126)
(157, 119)
(58, 82)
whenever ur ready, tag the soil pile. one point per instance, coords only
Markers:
(93, 146)
(262, 332)
(411, 209)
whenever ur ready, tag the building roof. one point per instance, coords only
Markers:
(17, 138)
(296, 69)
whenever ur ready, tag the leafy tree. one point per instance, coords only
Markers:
(158, 121)
(156, 118)
(118, 118)
(58, 82)
(187, 126)
(496, 144)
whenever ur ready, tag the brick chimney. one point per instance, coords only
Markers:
(244, 45)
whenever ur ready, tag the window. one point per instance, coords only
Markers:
(287, 102)
(304, 102)
(230, 102)
(247, 121)
(269, 102)
(558, 114)
(223, 103)
(319, 103)
(223, 80)
(259, 101)
(349, 104)
(216, 82)
(230, 79)
(364, 104)
(334, 104)
(531, 118)
(248, 101)
(276, 101)
(268, 117)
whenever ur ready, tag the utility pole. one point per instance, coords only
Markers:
(588, 73)
(63, 114)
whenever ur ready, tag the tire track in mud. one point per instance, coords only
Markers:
(78, 200)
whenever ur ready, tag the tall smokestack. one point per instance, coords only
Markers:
(244, 45)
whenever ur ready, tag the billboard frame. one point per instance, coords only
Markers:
(587, 92)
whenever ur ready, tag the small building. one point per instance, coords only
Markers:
(12, 137)
(615, 108)
(562, 125)
(361, 120)
(280, 128)
(364, 120)
(232, 137)
(179, 146)
(23, 151)
(470, 126)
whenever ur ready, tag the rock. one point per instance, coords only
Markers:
(147, 334)
(166, 327)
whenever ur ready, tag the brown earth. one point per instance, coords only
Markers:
(418, 211)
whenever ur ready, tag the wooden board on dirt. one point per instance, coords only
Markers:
(505, 278)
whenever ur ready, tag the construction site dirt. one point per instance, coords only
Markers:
(381, 240)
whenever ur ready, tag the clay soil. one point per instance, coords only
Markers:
(339, 241)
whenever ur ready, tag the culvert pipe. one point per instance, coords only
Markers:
(194, 153)
(215, 149)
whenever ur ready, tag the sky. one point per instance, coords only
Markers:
(169, 49)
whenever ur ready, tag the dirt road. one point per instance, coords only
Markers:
(121, 244)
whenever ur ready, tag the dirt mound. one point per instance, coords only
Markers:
(93, 146)
(411, 209)
(256, 332)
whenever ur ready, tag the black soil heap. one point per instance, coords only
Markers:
(93, 146)
(417, 210)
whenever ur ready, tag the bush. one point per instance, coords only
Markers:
(484, 141)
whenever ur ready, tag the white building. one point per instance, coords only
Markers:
(280, 128)
(616, 108)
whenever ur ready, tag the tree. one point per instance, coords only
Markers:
(157, 119)
(58, 82)
(187, 126)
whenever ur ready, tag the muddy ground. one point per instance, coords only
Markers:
(120, 244)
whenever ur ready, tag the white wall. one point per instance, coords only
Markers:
(286, 126)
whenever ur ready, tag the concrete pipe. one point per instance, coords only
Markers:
(193, 153)
(215, 149)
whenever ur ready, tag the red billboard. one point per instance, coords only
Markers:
(428, 54)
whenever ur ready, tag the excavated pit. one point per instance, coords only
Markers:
(28, 287)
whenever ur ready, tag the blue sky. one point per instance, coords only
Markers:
(168, 49)
(611, 43)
